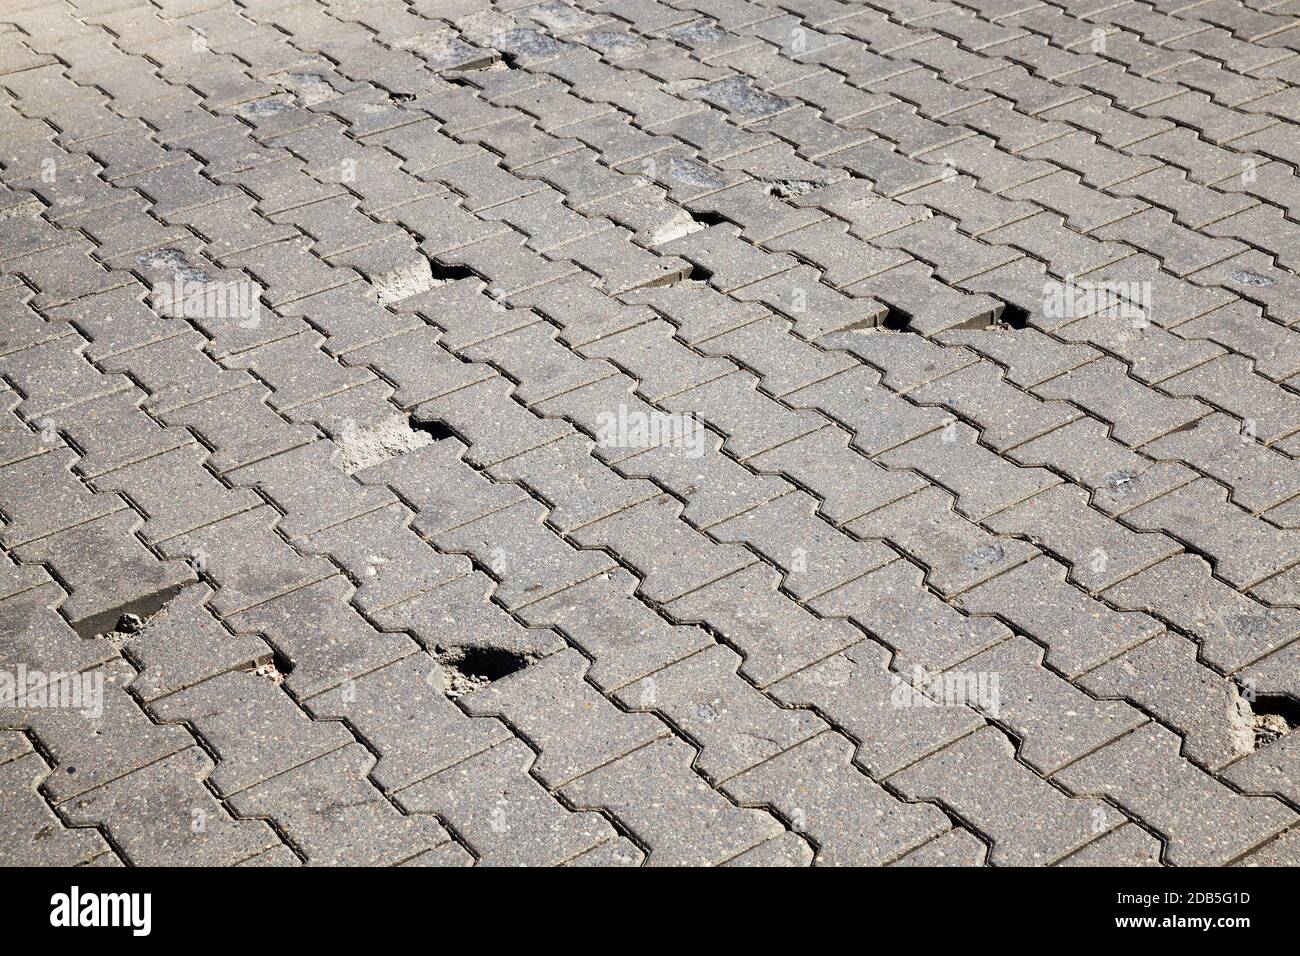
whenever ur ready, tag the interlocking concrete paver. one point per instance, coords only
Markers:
(775, 635)
(503, 813)
(402, 710)
(163, 815)
(333, 814)
(814, 556)
(1231, 629)
(735, 726)
(851, 818)
(1202, 819)
(1165, 679)
(32, 830)
(1080, 632)
(674, 811)
(613, 434)
(543, 703)
(957, 847)
(1055, 721)
(1099, 550)
(856, 690)
(1028, 820)
(252, 725)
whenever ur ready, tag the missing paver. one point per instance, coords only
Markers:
(707, 217)
(697, 274)
(118, 624)
(413, 276)
(445, 273)
(467, 669)
(1273, 716)
(1012, 316)
(436, 430)
(680, 225)
(276, 669)
(895, 320)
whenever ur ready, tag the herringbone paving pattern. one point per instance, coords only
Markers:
(624, 432)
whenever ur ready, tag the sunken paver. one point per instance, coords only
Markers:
(599, 433)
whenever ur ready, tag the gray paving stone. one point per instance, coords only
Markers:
(184, 644)
(463, 614)
(775, 636)
(957, 847)
(815, 557)
(1055, 721)
(1143, 773)
(581, 489)
(847, 484)
(661, 800)
(48, 498)
(879, 418)
(983, 483)
(1231, 629)
(734, 725)
(1006, 416)
(253, 726)
(126, 578)
(655, 543)
(246, 561)
(1099, 550)
(957, 553)
(624, 637)
(818, 240)
(1080, 632)
(402, 711)
(1136, 414)
(1164, 677)
(34, 834)
(111, 738)
(574, 729)
(1119, 478)
(1028, 821)
(506, 816)
(1244, 549)
(788, 849)
(858, 692)
(852, 820)
(333, 813)
(1126, 845)
(321, 637)
(530, 560)
(1279, 852)
(163, 815)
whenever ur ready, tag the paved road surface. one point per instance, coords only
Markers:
(649, 432)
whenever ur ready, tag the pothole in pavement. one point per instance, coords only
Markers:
(1009, 316)
(1273, 716)
(466, 669)
(435, 429)
(119, 624)
(275, 670)
(412, 276)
